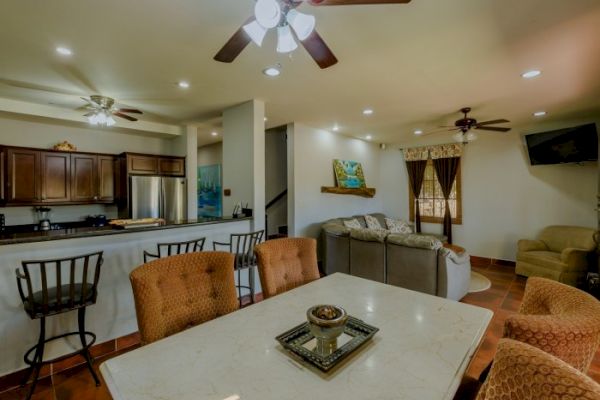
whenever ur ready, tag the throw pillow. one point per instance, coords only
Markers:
(352, 224)
(372, 222)
(398, 226)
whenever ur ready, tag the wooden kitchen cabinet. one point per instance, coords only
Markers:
(22, 176)
(92, 178)
(55, 177)
(171, 166)
(142, 164)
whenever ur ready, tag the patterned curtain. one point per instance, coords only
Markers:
(446, 169)
(416, 173)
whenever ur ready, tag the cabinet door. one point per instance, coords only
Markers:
(171, 166)
(106, 179)
(2, 176)
(23, 176)
(83, 178)
(142, 165)
(56, 177)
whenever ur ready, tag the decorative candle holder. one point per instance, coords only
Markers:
(327, 323)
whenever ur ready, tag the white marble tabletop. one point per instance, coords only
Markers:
(423, 348)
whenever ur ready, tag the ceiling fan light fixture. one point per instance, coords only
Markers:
(471, 136)
(285, 40)
(303, 24)
(110, 121)
(256, 32)
(267, 13)
(458, 137)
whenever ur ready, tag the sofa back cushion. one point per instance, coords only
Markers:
(558, 238)
(369, 235)
(352, 223)
(415, 240)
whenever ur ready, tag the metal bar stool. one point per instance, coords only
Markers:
(171, 249)
(40, 301)
(242, 245)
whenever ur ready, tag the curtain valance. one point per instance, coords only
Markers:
(450, 150)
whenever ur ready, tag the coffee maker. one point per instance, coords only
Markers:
(43, 218)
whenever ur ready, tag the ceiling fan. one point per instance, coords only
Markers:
(465, 125)
(290, 23)
(102, 108)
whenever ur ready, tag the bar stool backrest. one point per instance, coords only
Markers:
(174, 248)
(59, 285)
(242, 245)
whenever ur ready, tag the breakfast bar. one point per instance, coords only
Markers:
(114, 314)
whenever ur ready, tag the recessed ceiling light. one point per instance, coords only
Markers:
(64, 51)
(272, 71)
(266, 119)
(418, 132)
(368, 137)
(368, 111)
(184, 84)
(214, 134)
(336, 128)
(539, 113)
(531, 74)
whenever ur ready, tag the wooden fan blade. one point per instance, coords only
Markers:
(354, 2)
(89, 114)
(236, 44)
(496, 121)
(492, 128)
(130, 110)
(319, 51)
(127, 117)
(445, 129)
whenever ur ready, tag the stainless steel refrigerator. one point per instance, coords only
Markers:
(158, 197)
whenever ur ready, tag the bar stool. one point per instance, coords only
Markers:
(242, 245)
(41, 301)
(174, 248)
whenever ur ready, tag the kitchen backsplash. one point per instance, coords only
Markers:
(27, 215)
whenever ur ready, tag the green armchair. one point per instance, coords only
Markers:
(561, 253)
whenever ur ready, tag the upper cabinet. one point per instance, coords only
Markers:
(92, 178)
(142, 164)
(22, 176)
(55, 177)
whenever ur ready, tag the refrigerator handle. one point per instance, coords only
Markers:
(161, 205)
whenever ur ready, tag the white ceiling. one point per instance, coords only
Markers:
(415, 64)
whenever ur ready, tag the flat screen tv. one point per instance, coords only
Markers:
(570, 145)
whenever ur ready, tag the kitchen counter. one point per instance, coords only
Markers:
(81, 232)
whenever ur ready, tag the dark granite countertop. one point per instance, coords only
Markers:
(87, 231)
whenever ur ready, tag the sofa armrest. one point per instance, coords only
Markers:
(575, 258)
(335, 230)
(460, 259)
(531, 245)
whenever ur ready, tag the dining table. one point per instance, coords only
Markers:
(421, 351)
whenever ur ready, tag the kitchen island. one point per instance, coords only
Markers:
(113, 316)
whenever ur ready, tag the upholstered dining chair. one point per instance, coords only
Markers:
(284, 264)
(175, 293)
(559, 319)
(523, 372)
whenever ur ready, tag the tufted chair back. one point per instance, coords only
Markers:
(523, 372)
(284, 264)
(175, 293)
(559, 319)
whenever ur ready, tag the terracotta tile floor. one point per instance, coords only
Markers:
(503, 298)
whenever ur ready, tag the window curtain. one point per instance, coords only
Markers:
(446, 169)
(416, 173)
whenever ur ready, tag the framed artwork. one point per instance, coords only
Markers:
(210, 200)
(349, 174)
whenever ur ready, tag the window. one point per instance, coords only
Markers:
(431, 200)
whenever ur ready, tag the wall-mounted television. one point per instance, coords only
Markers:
(570, 145)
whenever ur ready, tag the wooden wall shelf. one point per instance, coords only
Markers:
(363, 192)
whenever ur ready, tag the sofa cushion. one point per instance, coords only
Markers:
(398, 226)
(372, 222)
(548, 259)
(352, 224)
(415, 240)
(369, 235)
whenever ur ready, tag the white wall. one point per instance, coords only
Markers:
(210, 154)
(276, 176)
(310, 166)
(20, 131)
(504, 198)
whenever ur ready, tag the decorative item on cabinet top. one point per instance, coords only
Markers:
(64, 146)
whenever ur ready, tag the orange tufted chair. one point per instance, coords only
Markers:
(175, 293)
(523, 372)
(559, 319)
(284, 264)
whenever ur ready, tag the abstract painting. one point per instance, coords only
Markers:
(210, 202)
(349, 174)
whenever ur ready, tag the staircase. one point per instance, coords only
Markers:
(282, 231)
